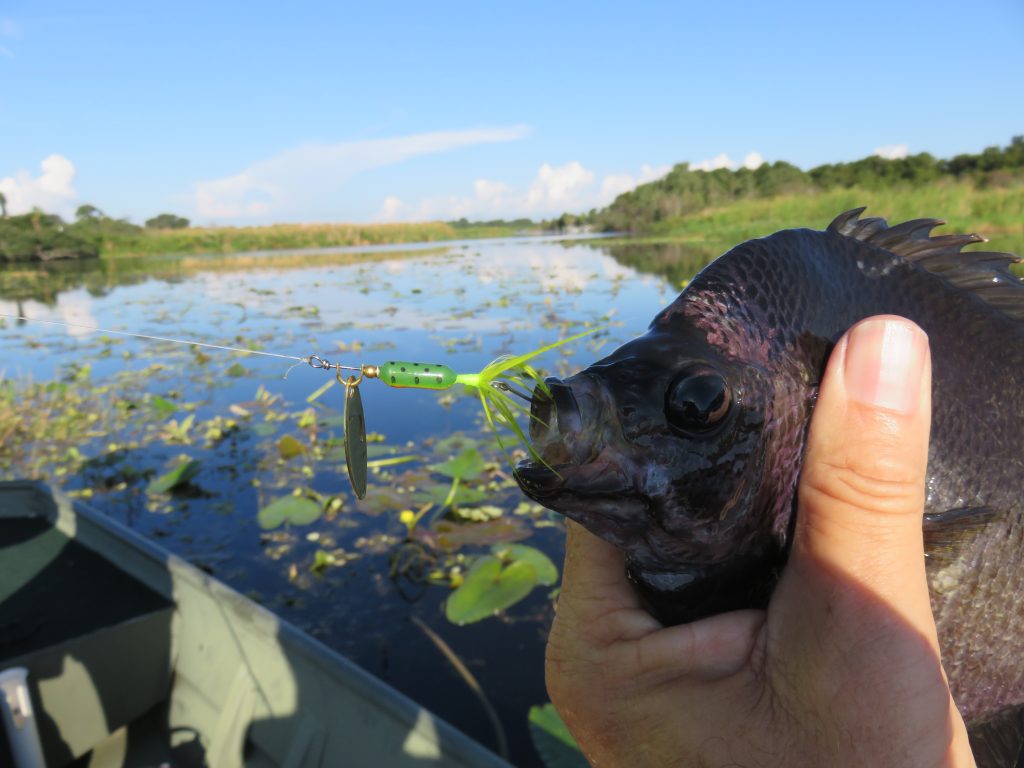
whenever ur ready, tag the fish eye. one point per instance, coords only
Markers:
(697, 400)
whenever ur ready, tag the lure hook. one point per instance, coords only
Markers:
(505, 387)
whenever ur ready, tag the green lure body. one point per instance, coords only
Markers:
(399, 373)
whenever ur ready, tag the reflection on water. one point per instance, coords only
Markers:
(461, 305)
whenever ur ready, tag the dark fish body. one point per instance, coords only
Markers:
(683, 446)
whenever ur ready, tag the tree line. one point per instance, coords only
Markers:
(685, 191)
(40, 236)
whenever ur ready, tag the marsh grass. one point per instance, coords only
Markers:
(197, 240)
(997, 214)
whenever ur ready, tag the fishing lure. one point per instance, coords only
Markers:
(495, 385)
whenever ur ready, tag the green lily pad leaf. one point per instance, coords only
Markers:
(264, 429)
(320, 562)
(178, 476)
(456, 442)
(547, 571)
(488, 588)
(289, 447)
(468, 465)
(297, 510)
(236, 370)
(162, 406)
(555, 745)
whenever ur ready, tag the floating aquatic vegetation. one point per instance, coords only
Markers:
(498, 581)
(181, 475)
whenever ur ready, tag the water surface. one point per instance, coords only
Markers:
(460, 304)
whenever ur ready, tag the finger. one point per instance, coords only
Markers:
(595, 592)
(707, 649)
(861, 492)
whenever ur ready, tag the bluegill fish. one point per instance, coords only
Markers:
(683, 446)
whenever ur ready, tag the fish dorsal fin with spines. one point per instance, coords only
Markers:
(986, 274)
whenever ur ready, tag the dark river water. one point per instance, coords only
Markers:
(111, 413)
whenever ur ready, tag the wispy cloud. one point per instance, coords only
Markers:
(751, 161)
(616, 184)
(892, 151)
(53, 190)
(291, 181)
(553, 191)
(7, 53)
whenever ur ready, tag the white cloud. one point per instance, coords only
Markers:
(716, 162)
(615, 184)
(753, 161)
(558, 188)
(554, 190)
(52, 190)
(290, 182)
(391, 209)
(892, 151)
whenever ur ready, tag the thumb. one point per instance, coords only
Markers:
(861, 493)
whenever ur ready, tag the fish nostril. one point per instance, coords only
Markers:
(555, 412)
(567, 410)
(542, 414)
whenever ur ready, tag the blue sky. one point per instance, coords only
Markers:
(253, 113)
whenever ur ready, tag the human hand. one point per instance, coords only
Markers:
(843, 668)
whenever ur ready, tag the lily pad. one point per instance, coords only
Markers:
(555, 745)
(264, 429)
(489, 587)
(547, 572)
(162, 405)
(455, 442)
(297, 510)
(177, 477)
(468, 465)
(289, 447)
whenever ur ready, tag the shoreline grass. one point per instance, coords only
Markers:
(997, 214)
(281, 237)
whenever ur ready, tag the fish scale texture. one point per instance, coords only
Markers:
(704, 518)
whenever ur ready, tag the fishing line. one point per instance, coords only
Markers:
(493, 386)
(313, 360)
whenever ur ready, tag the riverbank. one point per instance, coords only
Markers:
(997, 214)
(197, 240)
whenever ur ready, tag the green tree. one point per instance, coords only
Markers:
(88, 212)
(167, 221)
(3, 206)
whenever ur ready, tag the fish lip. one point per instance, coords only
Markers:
(539, 480)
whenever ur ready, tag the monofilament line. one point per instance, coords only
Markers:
(157, 338)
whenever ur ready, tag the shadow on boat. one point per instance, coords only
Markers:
(136, 658)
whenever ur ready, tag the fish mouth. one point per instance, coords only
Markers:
(573, 471)
(544, 481)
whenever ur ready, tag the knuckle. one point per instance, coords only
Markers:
(882, 483)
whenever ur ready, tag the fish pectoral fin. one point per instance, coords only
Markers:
(946, 533)
(999, 740)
